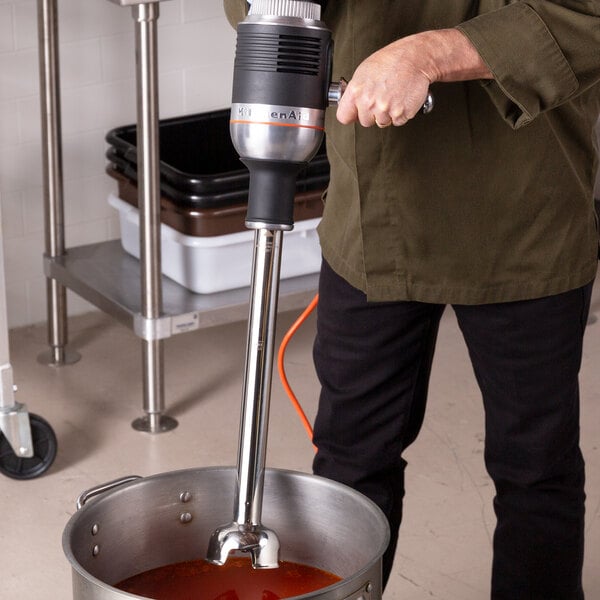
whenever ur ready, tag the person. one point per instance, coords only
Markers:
(485, 204)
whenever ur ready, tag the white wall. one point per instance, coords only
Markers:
(196, 47)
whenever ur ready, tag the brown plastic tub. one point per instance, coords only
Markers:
(213, 221)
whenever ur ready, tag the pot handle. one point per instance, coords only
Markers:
(104, 487)
(364, 593)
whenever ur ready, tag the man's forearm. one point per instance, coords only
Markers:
(449, 56)
(390, 86)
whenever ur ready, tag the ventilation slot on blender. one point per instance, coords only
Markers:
(279, 53)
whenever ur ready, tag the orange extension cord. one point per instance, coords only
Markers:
(280, 358)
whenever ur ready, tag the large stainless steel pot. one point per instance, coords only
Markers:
(168, 518)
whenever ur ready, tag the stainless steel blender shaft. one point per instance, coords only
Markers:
(258, 375)
(246, 533)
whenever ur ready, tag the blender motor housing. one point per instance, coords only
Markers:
(280, 93)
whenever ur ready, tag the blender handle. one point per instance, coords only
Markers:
(104, 487)
(337, 89)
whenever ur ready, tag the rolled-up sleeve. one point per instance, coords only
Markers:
(541, 54)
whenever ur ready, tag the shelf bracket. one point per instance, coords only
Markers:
(165, 326)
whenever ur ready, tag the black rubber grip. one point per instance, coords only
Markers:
(272, 191)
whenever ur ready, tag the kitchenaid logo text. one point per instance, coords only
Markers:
(293, 114)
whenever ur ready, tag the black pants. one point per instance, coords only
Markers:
(374, 360)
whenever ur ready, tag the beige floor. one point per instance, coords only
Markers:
(445, 545)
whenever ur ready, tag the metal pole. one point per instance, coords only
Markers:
(53, 181)
(146, 16)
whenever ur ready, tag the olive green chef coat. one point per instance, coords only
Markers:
(489, 197)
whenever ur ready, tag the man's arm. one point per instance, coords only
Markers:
(539, 54)
(391, 85)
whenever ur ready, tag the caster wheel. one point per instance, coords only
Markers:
(44, 452)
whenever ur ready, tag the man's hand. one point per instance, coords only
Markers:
(391, 86)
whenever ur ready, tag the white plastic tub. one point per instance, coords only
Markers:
(213, 264)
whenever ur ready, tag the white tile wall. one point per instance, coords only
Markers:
(6, 28)
(196, 46)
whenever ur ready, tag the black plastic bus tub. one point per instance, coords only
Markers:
(208, 222)
(199, 167)
(219, 198)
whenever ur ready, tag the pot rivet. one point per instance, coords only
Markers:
(96, 550)
(185, 496)
(95, 529)
(369, 588)
(185, 517)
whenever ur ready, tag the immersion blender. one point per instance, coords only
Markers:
(281, 88)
